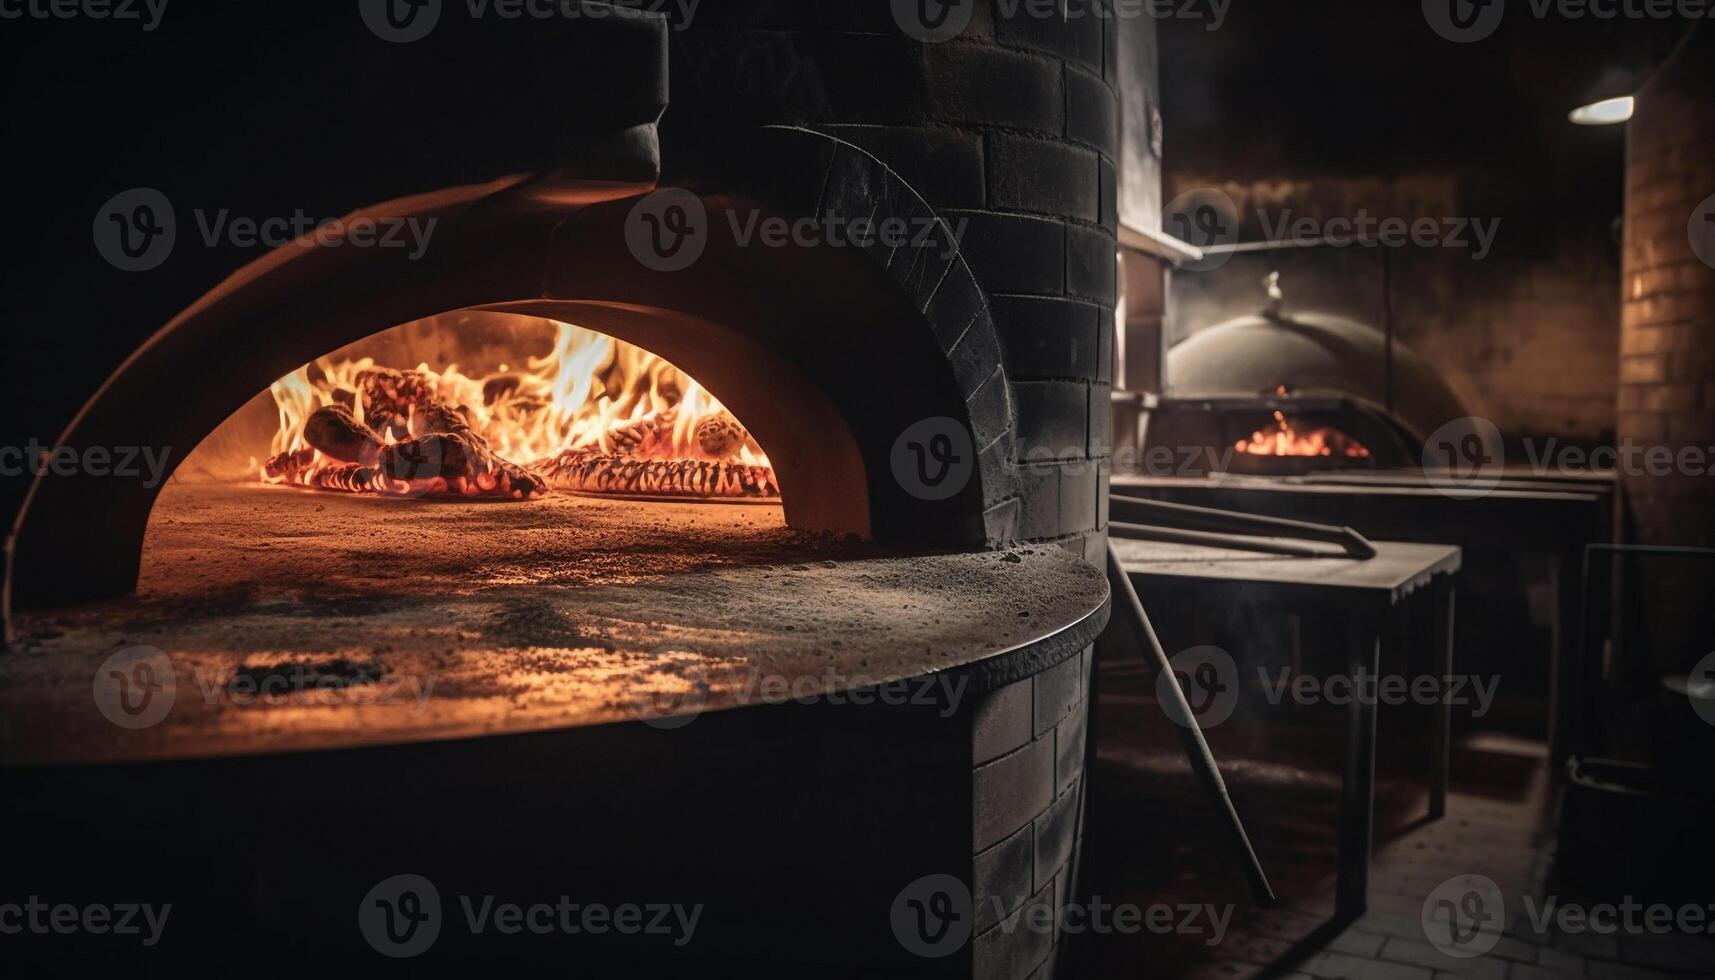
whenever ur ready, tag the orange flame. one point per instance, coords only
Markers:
(1284, 440)
(590, 392)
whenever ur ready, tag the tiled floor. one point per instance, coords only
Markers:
(1152, 839)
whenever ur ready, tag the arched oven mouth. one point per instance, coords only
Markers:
(1280, 434)
(496, 408)
(575, 489)
(1287, 395)
(825, 356)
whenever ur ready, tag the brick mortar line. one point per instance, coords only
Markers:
(1061, 461)
(1095, 75)
(1065, 219)
(1066, 297)
(1036, 136)
(910, 44)
(1049, 217)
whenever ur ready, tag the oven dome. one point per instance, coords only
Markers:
(1311, 352)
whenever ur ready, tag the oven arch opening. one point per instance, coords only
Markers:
(557, 406)
(829, 321)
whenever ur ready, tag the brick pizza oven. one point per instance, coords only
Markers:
(561, 769)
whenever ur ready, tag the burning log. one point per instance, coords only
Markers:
(459, 463)
(287, 466)
(589, 471)
(392, 398)
(372, 429)
(441, 463)
(339, 435)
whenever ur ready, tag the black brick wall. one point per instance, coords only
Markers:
(1011, 126)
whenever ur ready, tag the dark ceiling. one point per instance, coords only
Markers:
(1367, 88)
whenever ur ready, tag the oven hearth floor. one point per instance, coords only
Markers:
(490, 618)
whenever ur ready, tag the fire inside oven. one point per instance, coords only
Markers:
(1280, 434)
(1275, 440)
(1283, 437)
(506, 409)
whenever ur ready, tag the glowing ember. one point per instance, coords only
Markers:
(595, 415)
(1284, 440)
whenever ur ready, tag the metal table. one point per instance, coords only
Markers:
(1376, 599)
(1554, 514)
